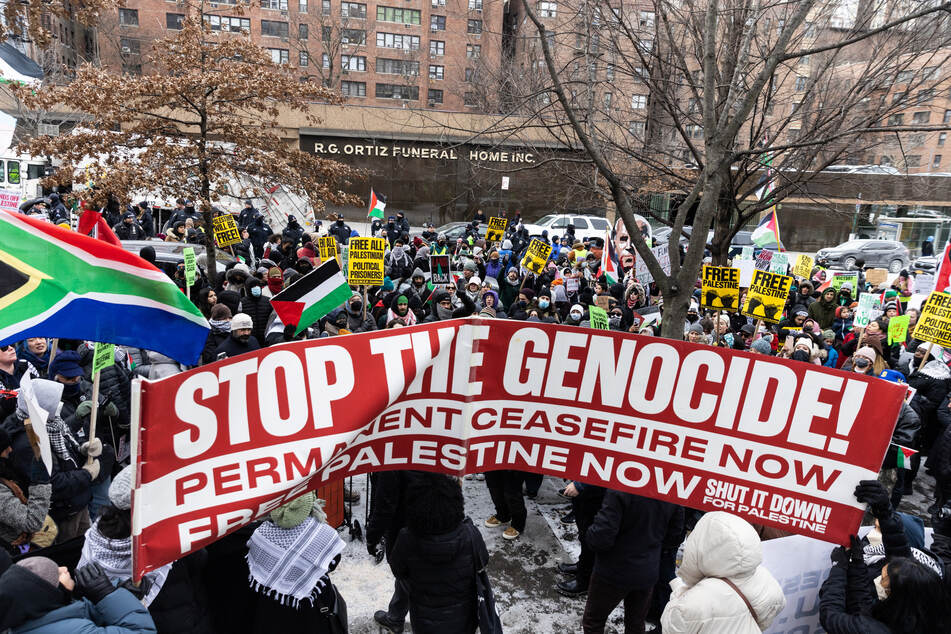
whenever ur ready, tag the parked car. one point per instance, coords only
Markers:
(889, 254)
(925, 264)
(555, 225)
(453, 231)
(169, 254)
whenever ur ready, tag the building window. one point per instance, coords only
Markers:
(608, 97)
(129, 17)
(636, 127)
(646, 20)
(395, 40)
(475, 5)
(439, 3)
(353, 36)
(694, 131)
(924, 96)
(936, 163)
(129, 46)
(437, 47)
(921, 117)
(303, 31)
(394, 14)
(437, 23)
(279, 55)
(132, 69)
(353, 88)
(547, 9)
(353, 10)
(325, 33)
(280, 5)
(639, 102)
(397, 67)
(226, 23)
(904, 77)
(609, 72)
(913, 160)
(302, 6)
(470, 100)
(355, 63)
(801, 83)
(325, 61)
(274, 29)
(942, 138)
(434, 96)
(396, 91)
(896, 119)
(474, 27)
(173, 21)
(436, 72)
(470, 74)
(930, 73)
(302, 59)
(473, 51)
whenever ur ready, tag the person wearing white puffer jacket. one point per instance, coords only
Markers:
(721, 586)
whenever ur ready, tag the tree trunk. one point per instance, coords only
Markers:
(208, 215)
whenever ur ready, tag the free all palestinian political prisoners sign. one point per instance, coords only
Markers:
(777, 442)
(934, 325)
(365, 264)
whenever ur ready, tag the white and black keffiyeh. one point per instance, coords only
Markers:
(288, 564)
(62, 441)
(115, 557)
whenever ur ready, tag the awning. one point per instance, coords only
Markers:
(17, 67)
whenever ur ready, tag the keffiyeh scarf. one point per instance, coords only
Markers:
(115, 557)
(62, 441)
(289, 564)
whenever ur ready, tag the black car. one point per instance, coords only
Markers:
(925, 264)
(886, 254)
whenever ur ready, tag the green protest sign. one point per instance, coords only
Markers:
(103, 357)
(189, 265)
(898, 329)
(598, 318)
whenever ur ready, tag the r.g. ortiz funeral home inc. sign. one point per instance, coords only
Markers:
(397, 150)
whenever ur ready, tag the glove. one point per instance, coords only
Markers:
(111, 410)
(858, 550)
(92, 448)
(373, 548)
(38, 472)
(839, 557)
(138, 591)
(84, 408)
(289, 331)
(875, 495)
(92, 469)
(92, 583)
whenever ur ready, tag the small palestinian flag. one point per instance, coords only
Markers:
(376, 206)
(904, 455)
(608, 260)
(312, 296)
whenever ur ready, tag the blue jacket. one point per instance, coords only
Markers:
(118, 613)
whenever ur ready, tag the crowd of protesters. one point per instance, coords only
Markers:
(67, 558)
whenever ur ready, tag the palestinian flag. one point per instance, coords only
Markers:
(608, 260)
(767, 232)
(904, 455)
(376, 206)
(312, 296)
(59, 283)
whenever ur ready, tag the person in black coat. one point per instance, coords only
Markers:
(340, 230)
(627, 536)
(257, 306)
(436, 556)
(293, 231)
(129, 229)
(258, 232)
(586, 501)
(248, 214)
(241, 340)
(143, 215)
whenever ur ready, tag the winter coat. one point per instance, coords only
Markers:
(907, 434)
(823, 311)
(627, 536)
(440, 573)
(508, 292)
(133, 231)
(259, 310)
(232, 347)
(118, 613)
(387, 513)
(722, 546)
(17, 517)
(939, 459)
(932, 383)
(293, 231)
(181, 606)
(848, 587)
(341, 231)
(156, 365)
(215, 339)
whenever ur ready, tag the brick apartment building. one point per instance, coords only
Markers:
(402, 53)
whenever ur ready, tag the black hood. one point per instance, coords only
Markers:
(24, 597)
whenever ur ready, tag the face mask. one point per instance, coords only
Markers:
(576, 315)
(356, 306)
(862, 363)
(256, 291)
(615, 322)
(71, 389)
(543, 303)
(880, 589)
(443, 313)
(800, 355)
(340, 223)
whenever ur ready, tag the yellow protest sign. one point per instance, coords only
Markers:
(767, 296)
(365, 265)
(496, 230)
(226, 230)
(327, 246)
(721, 288)
(537, 256)
(934, 325)
(803, 267)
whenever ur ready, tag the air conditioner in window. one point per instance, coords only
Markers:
(214, 5)
(433, 29)
(284, 13)
(126, 50)
(408, 26)
(432, 103)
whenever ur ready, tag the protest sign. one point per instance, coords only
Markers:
(845, 277)
(772, 440)
(803, 267)
(870, 307)
(103, 356)
(537, 256)
(38, 418)
(720, 288)
(746, 268)
(763, 259)
(876, 277)
(327, 247)
(598, 318)
(572, 284)
(662, 254)
(898, 329)
(10, 200)
(189, 253)
(924, 283)
(746, 253)
(496, 230)
(439, 269)
(934, 325)
(767, 296)
(365, 267)
(779, 263)
(226, 230)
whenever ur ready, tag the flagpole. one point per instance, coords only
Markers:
(95, 412)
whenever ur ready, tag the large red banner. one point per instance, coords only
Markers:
(777, 442)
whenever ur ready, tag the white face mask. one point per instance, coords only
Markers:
(880, 589)
(576, 316)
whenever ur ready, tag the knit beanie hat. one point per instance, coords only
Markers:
(120, 491)
(762, 346)
(294, 512)
(43, 567)
(695, 327)
(828, 334)
(866, 351)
